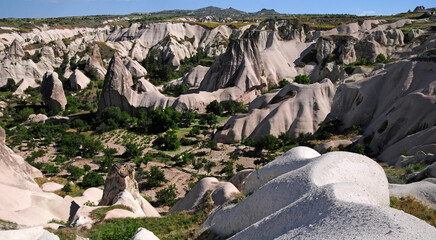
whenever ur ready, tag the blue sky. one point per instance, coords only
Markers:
(59, 8)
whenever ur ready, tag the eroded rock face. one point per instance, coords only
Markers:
(52, 91)
(121, 188)
(424, 191)
(15, 50)
(386, 106)
(78, 80)
(294, 109)
(221, 192)
(96, 62)
(333, 196)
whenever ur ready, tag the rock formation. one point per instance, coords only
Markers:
(35, 233)
(337, 195)
(144, 234)
(78, 80)
(220, 192)
(135, 68)
(53, 92)
(96, 62)
(193, 78)
(121, 188)
(15, 50)
(385, 105)
(294, 109)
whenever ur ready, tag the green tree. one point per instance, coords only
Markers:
(171, 142)
(381, 58)
(187, 118)
(75, 172)
(92, 179)
(91, 147)
(50, 169)
(268, 142)
(108, 159)
(155, 177)
(167, 195)
(215, 107)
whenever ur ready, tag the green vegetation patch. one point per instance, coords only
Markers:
(414, 207)
(99, 213)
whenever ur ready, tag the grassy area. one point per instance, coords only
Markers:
(416, 208)
(179, 225)
(41, 181)
(100, 213)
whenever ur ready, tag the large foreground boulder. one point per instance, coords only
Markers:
(337, 195)
(52, 92)
(121, 188)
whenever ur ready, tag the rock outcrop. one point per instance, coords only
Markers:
(135, 68)
(144, 234)
(194, 77)
(220, 192)
(337, 195)
(15, 50)
(294, 109)
(121, 188)
(385, 105)
(96, 62)
(78, 80)
(35, 233)
(52, 92)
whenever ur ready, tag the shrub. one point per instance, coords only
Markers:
(209, 119)
(108, 159)
(10, 86)
(70, 144)
(212, 144)
(86, 167)
(302, 79)
(162, 120)
(232, 107)
(67, 188)
(24, 114)
(50, 169)
(91, 147)
(228, 169)
(144, 121)
(133, 150)
(155, 177)
(264, 159)
(381, 58)
(167, 195)
(92, 179)
(75, 172)
(114, 118)
(187, 118)
(248, 142)
(194, 131)
(170, 141)
(60, 159)
(175, 90)
(209, 165)
(283, 83)
(215, 107)
(268, 142)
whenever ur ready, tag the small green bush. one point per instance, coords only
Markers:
(92, 179)
(381, 58)
(283, 83)
(155, 177)
(167, 195)
(170, 141)
(75, 172)
(50, 169)
(302, 79)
